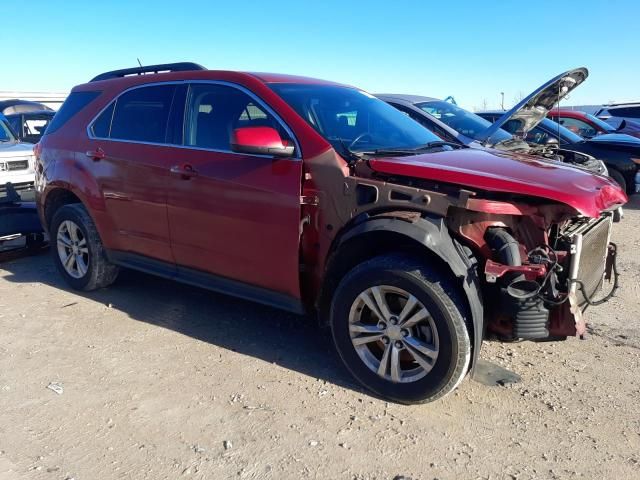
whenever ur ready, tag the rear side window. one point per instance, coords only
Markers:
(632, 112)
(142, 114)
(72, 105)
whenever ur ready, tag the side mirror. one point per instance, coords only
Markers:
(260, 141)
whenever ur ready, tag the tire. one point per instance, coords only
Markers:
(445, 330)
(619, 179)
(90, 269)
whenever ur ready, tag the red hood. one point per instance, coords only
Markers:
(496, 171)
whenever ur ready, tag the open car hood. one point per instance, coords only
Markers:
(533, 108)
(496, 171)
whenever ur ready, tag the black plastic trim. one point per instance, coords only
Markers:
(164, 67)
(206, 280)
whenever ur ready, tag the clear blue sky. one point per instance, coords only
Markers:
(472, 50)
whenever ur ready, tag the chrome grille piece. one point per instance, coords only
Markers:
(13, 165)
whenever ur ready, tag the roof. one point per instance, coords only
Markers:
(190, 70)
(406, 98)
(27, 113)
(566, 111)
(284, 78)
(16, 105)
(626, 104)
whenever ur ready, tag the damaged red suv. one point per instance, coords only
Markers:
(311, 196)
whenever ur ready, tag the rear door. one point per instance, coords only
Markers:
(236, 216)
(130, 159)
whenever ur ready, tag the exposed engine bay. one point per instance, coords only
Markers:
(538, 286)
(553, 152)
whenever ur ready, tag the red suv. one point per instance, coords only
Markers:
(316, 197)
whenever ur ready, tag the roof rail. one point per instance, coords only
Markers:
(165, 67)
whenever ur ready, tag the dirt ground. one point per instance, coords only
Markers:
(165, 381)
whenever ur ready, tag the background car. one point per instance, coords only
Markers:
(619, 111)
(621, 153)
(455, 124)
(28, 119)
(16, 160)
(588, 126)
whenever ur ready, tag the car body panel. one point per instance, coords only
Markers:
(239, 217)
(519, 174)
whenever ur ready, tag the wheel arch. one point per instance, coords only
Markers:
(57, 197)
(425, 237)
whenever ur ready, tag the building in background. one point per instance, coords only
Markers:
(50, 99)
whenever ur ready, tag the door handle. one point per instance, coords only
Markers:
(185, 171)
(96, 155)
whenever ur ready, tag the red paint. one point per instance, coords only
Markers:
(519, 174)
(257, 137)
(239, 215)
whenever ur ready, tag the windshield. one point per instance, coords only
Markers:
(600, 123)
(462, 121)
(353, 120)
(6, 135)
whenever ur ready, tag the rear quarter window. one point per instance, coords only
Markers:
(75, 102)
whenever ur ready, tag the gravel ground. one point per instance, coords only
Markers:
(159, 380)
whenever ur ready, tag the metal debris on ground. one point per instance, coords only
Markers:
(56, 387)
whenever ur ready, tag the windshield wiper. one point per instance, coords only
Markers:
(413, 151)
(440, 143)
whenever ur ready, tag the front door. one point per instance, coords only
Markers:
(233, 215)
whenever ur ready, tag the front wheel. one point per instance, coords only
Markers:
(618, 178)
(400, 327)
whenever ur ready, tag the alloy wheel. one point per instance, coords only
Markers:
(73, 250)
(393, 333)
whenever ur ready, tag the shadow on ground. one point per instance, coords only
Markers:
(291, 341)
(634, 202)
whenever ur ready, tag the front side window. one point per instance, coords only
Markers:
(580, 127)
(462, 121)
(602, 125)
(214, 111)
(141, 115)
(352, 120)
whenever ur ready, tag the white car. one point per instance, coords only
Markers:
(17, 161)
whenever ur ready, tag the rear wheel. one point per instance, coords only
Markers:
(400, 328)
(78, 251)
(619, 179)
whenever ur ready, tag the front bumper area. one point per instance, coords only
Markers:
(545, 297)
